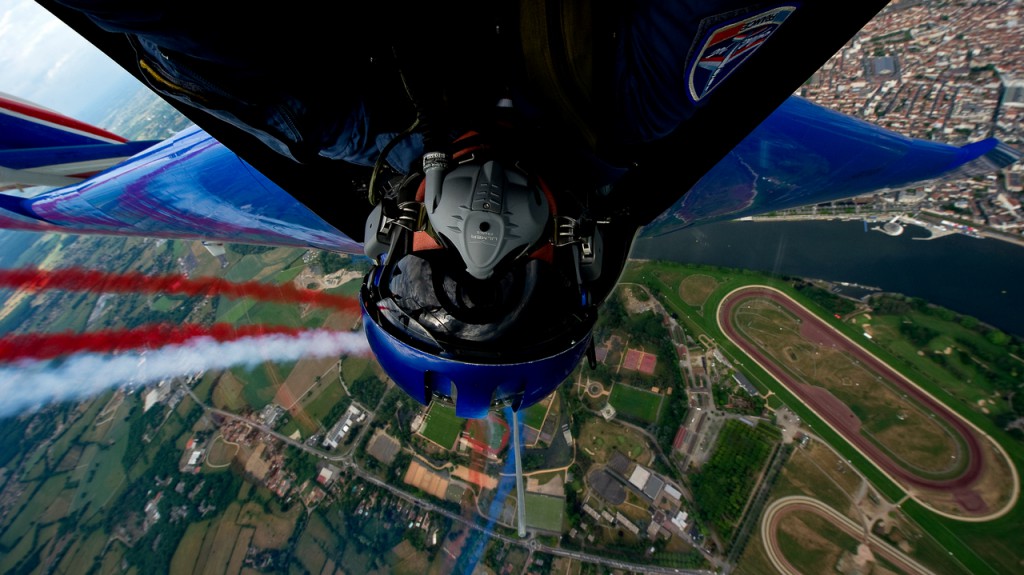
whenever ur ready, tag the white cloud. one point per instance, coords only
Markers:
(44, 61)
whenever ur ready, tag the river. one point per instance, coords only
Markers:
(983, 278)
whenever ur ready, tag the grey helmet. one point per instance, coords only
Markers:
(488, 213)
(497, 308)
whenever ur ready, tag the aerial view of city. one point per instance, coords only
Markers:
(944, 71)
(730, 421)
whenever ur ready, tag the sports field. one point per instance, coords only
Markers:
(488, 435)
(635, 403)
(442, 426)
(637, 360)
(544, 512)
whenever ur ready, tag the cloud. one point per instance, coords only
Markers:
(44, 61)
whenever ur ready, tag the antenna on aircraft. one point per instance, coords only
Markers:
(520, 495)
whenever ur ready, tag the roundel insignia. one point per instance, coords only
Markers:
(725, 47)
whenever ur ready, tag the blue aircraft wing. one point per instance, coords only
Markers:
(703, 88)
(192, 187)
(719, 164)
(805, 154)
(42, 147)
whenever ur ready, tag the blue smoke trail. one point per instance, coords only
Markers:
(474, 549)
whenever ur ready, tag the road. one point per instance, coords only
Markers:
(696, 434)
(530, 543)
(284, 438)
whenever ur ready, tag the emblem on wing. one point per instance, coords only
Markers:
(728, 45)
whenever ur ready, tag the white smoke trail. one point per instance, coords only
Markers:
(28, 385)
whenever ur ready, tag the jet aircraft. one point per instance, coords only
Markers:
(635, 112)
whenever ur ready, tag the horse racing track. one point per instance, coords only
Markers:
(912, 437)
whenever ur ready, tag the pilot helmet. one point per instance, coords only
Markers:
(480, 295)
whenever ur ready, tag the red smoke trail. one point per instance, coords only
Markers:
(39, 346)
(73, 279)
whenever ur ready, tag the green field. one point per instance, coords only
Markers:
(327, 397)
(288, 274)
(77, 489)
(349, 288)
(166, 303)
(316, 317)
(76, 317)
(958, 352)
(534, 415)
(101, 474)
(94, 476)
(544, 512)
(184, 559)
(270, 313)
(354, 366)
(85, 550)
(274, 265)
(234, 311)
(205, 386)
(29, 515)
(89, 464)
(442, 426)
(635, 403)
(63, 443)
(19, 552)
(245, 269)
(316, 538)
(261, 382)
(985, 547)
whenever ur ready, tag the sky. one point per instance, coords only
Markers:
(44, 61)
